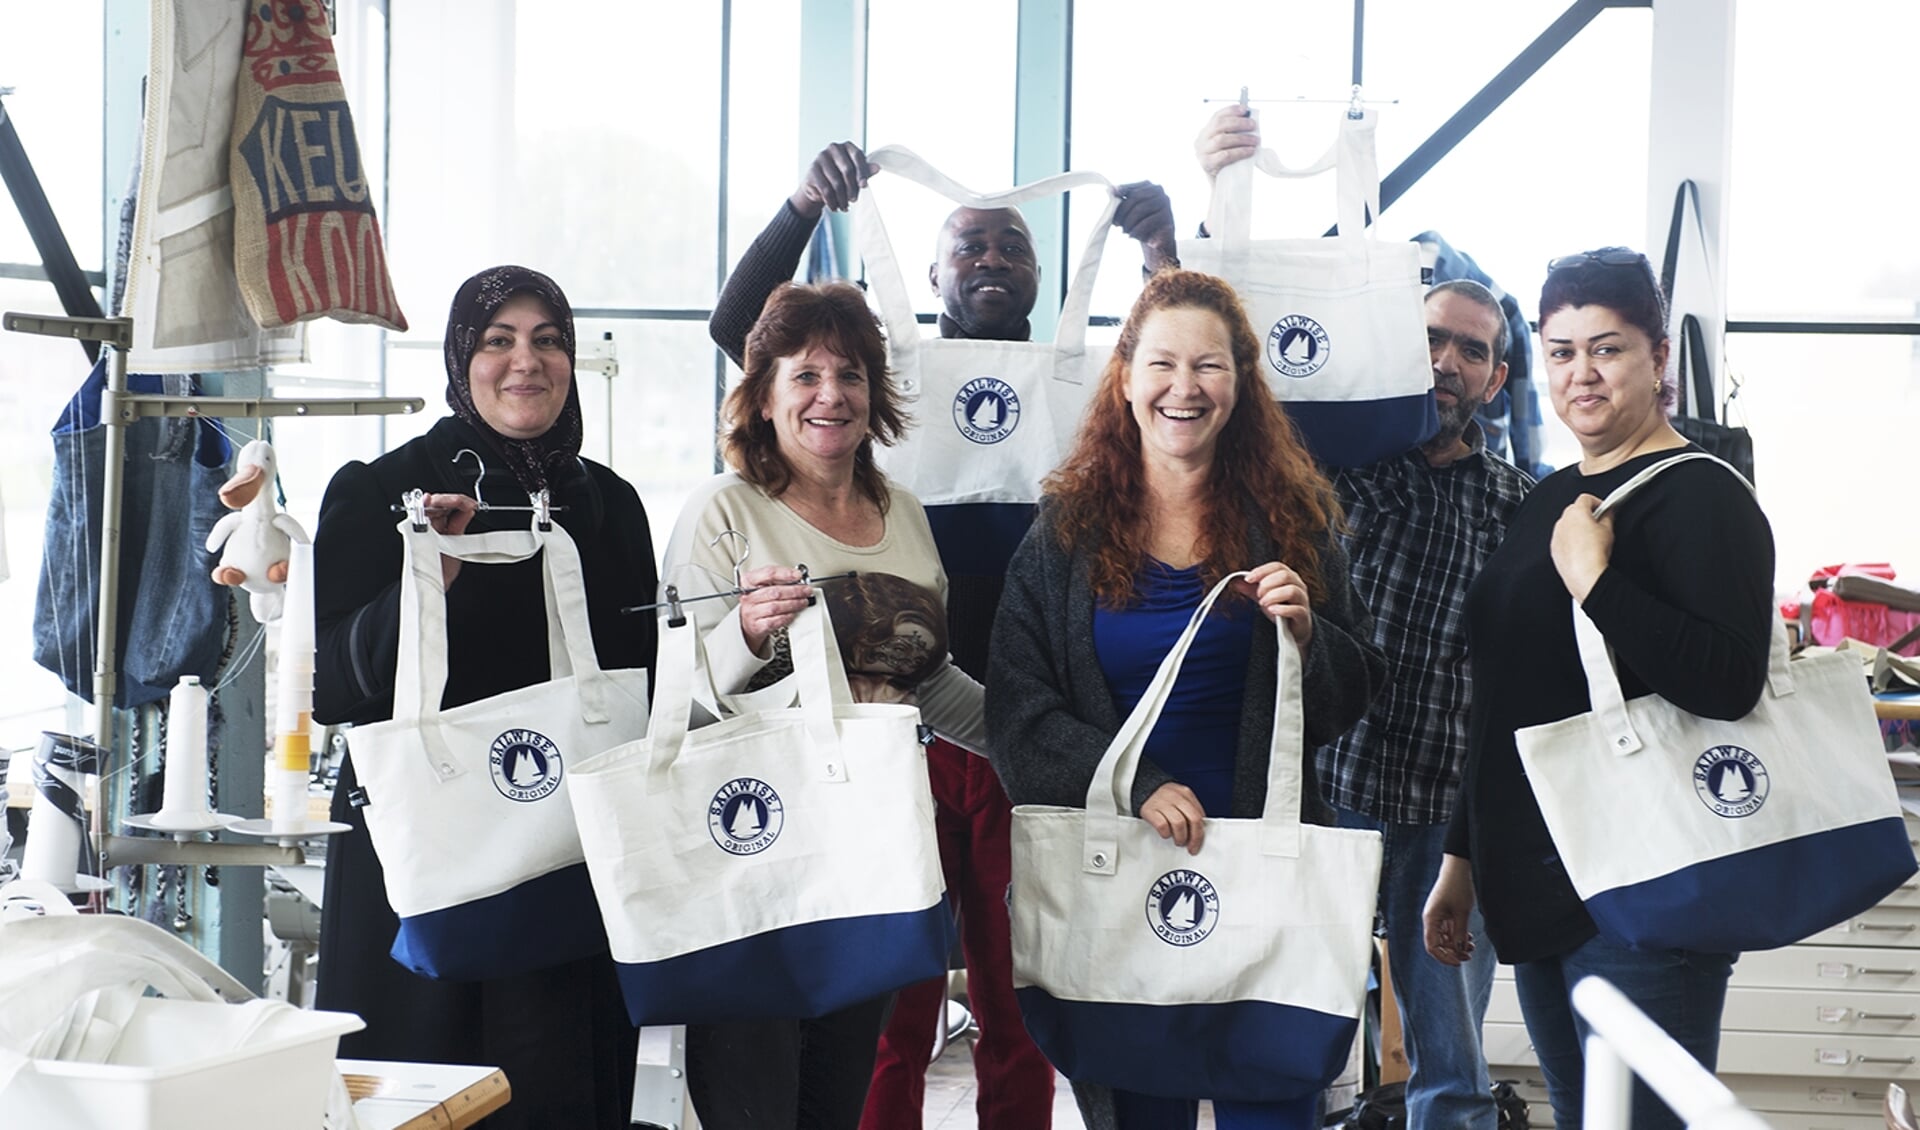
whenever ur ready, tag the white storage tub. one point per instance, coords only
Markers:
(165, 1078)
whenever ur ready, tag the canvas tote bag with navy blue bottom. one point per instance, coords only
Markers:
(1236, 974)
(991, 418)
(1745, 835)
(1341, 320)
(467, 807)
(780, 863)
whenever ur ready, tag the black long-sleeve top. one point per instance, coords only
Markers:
(770, 260)
(1685, 604)
(496, 615)
(562, 1030)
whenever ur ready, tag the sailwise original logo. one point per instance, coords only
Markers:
(1297, 346)
(1731, 781)
(745, 816)
(525, 765)
(1182, 907)
(986, 410)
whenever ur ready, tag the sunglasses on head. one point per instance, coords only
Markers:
(1606, 257)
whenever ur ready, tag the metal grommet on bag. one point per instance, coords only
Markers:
(1099, 859)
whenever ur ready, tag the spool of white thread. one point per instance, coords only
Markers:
(183, 803)
(54, 835)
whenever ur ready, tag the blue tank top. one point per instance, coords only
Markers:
(1199, 729)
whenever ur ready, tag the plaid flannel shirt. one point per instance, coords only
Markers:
(1417, 537)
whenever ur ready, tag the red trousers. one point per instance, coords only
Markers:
(1015, 1082)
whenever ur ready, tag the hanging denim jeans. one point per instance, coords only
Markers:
(172, 617)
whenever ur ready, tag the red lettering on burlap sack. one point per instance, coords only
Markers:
(325, 261)
(306, 241)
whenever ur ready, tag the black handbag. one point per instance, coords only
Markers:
(1732, 444)
(1696, 417)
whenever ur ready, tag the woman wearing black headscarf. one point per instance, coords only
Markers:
(561, 1034)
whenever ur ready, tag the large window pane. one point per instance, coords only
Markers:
(653, 423)
(763, 148)
(37, 376)
(1820, 212)
(50, 54)
(1828, 414)
(579, 137)
(1137, 110)
(943, 87)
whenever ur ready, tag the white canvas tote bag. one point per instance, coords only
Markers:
(1744, 835)
(992, 417)
(467, 807)
(778, 863)
(1341, 320)
(1238, 973)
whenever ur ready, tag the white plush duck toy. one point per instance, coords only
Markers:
(257, 537)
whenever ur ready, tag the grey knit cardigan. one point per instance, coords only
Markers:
(1050, 712)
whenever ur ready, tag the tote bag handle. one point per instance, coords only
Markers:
(818, 685)
(420, 672)
(1596, 658)
(1230, 216)
(1110, 795)
(889, 282)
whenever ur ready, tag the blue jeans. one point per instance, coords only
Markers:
(1441, 1006)
(1147, 1112)
(1680, 990)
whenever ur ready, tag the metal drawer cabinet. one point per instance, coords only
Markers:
(1785, 1010)
(1871, 968)
(1840, 1099)
(1824, 1055)
(1795, 1120)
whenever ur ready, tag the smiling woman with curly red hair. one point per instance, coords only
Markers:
(1100, 490)
(1185, 470)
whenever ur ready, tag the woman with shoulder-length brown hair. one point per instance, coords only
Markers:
(798, 433)
(1185, 470)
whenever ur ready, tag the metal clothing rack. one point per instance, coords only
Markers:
(118, 408)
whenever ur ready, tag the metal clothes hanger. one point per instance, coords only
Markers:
(677, 617)
(414, 501)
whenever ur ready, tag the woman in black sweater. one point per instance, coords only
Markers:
(561, 1033)
(1680, 584)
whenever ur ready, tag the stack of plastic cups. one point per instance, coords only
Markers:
(293, 713)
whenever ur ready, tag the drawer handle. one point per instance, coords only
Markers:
(1864, 972)
(1906, 929)
(1865, 1096)
(1903, 1059)
(1886, 1016)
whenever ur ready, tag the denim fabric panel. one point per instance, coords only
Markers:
(178, 623)
(1441, 1006)
(67, 601)
(171, 623)
(1682, 991)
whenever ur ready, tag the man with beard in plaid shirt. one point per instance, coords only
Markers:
(1421, 523)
